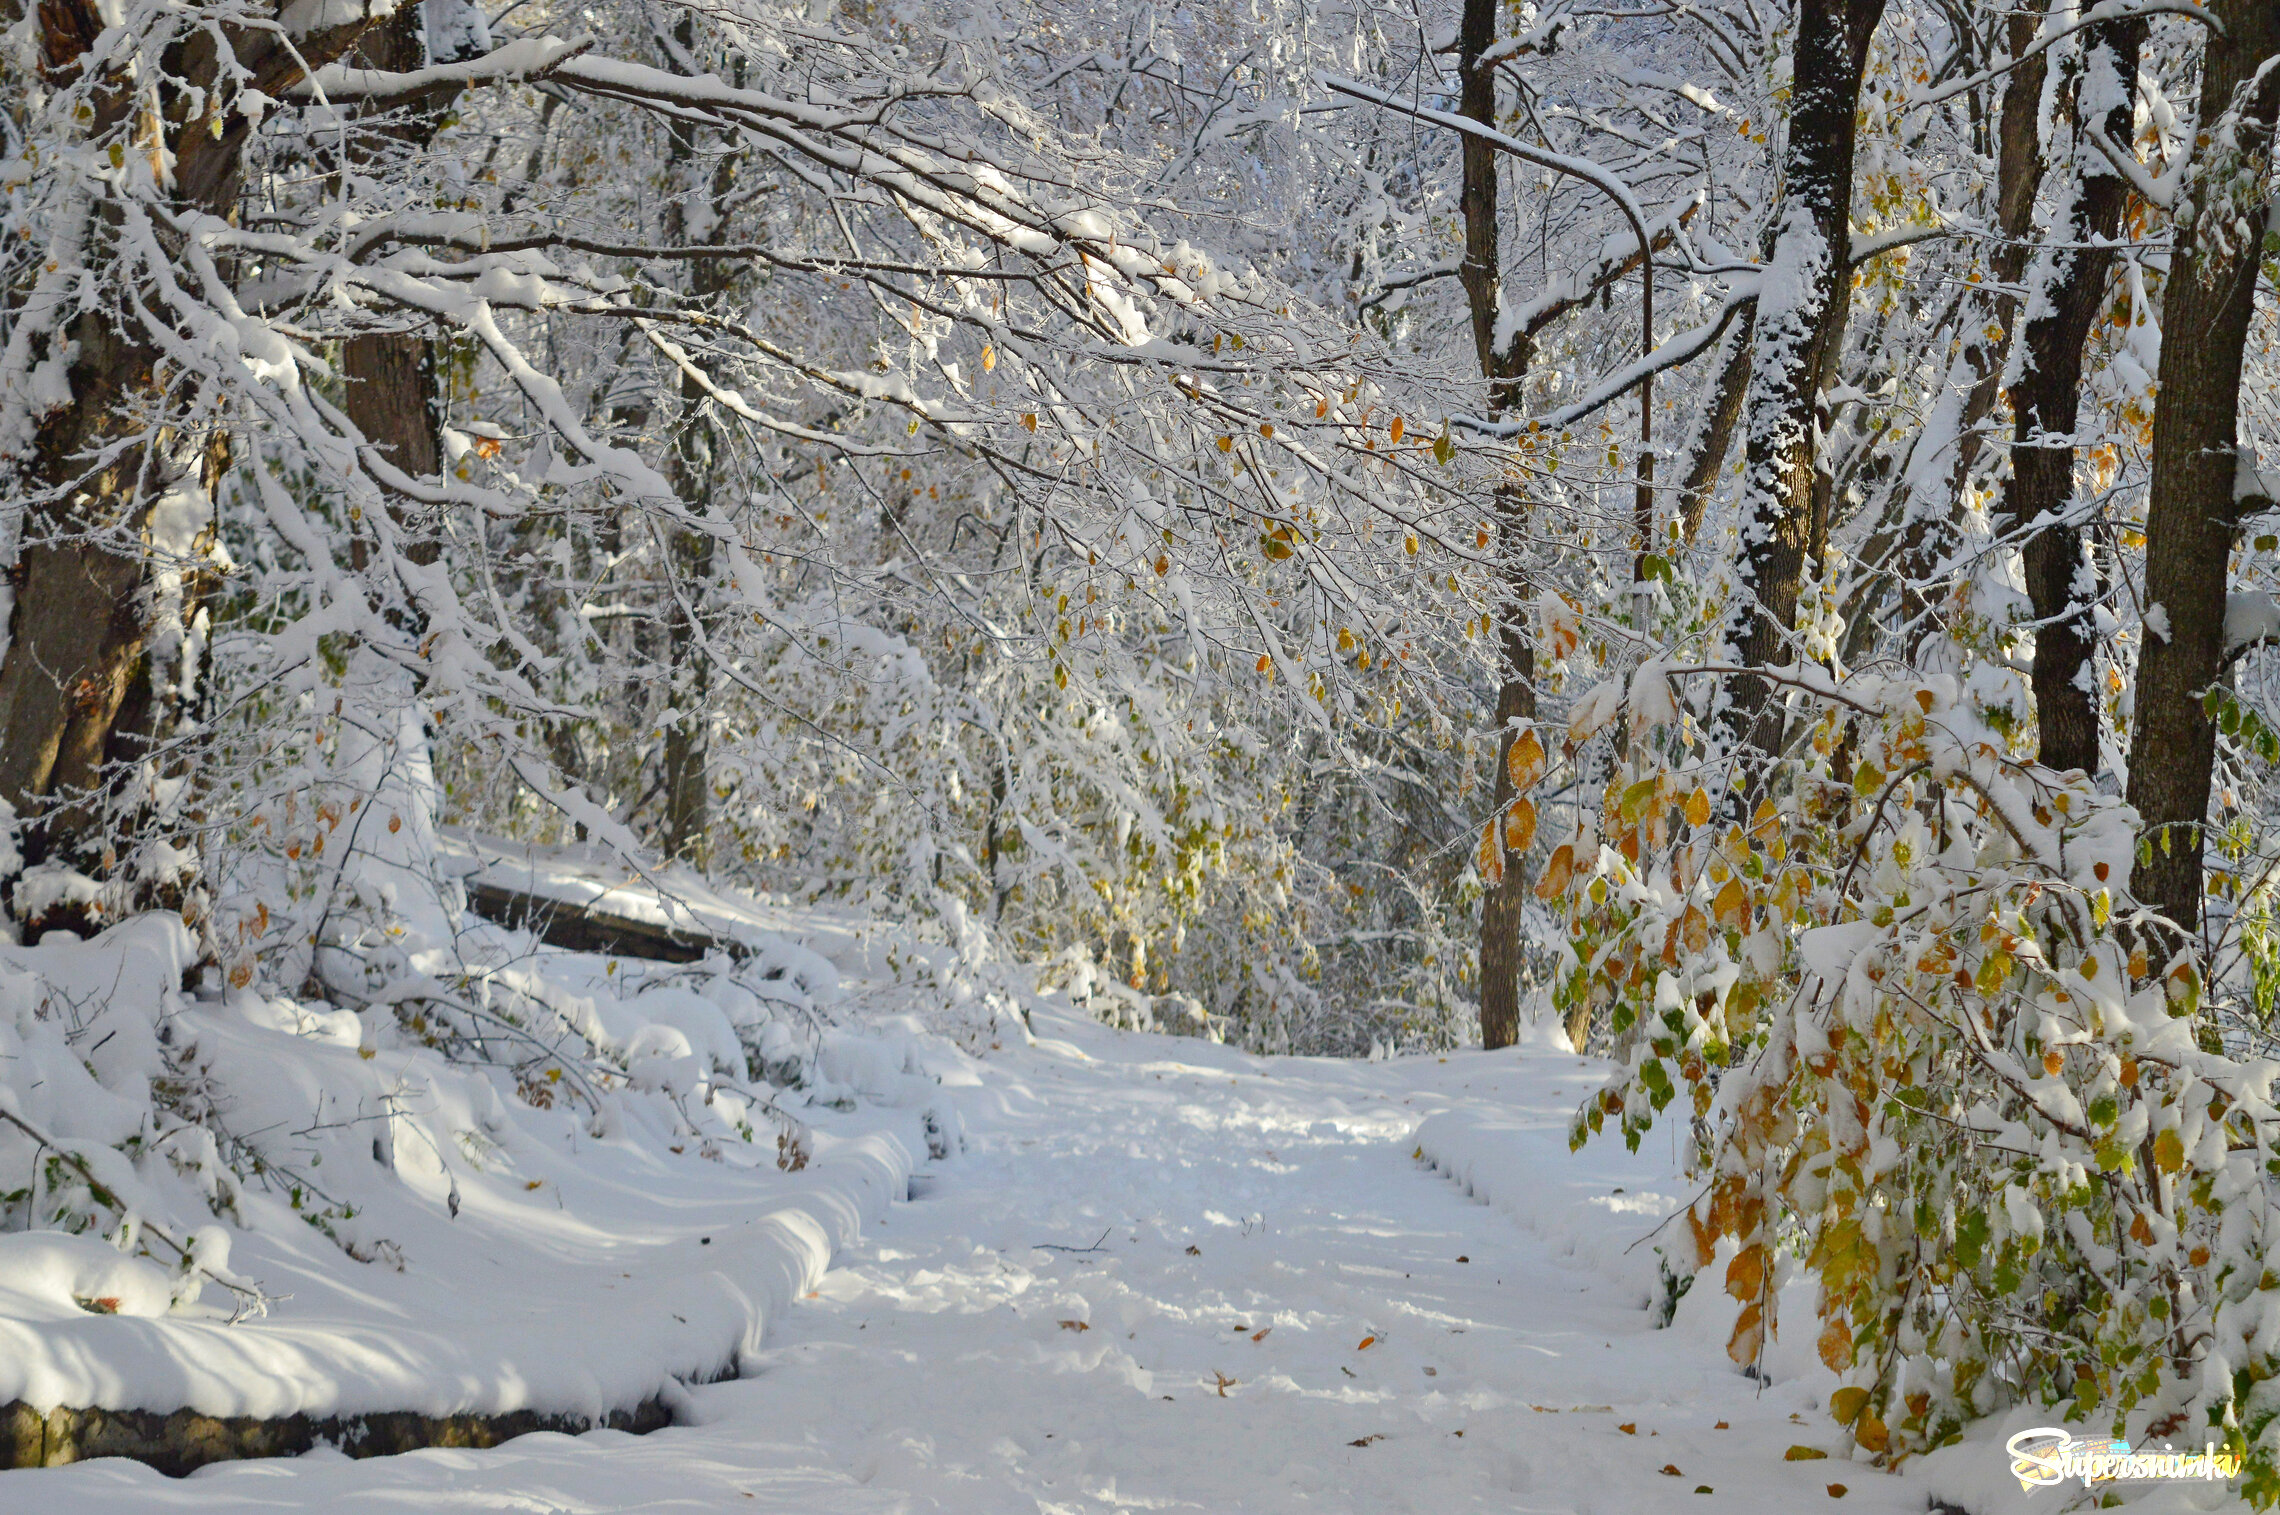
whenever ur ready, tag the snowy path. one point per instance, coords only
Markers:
(1256, 1222)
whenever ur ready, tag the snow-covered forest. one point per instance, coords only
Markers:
(668, 623)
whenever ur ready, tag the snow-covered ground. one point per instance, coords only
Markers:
(1166, 1276)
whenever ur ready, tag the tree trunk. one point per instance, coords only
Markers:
(2045, 404)
(2191, 513)
(1483, 279)
(689, 558)
(1716, 436)
(1984, 317)
(1800, 336)
(108, 573)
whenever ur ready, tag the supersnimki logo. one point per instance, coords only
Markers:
(2048, 1455)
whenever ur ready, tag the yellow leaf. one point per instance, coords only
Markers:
(1029, 419)
(1525, 761)
(1637, 800)
(2169, 1151)
(1847, 1403)
(1397, 428)
(1749, 1334)
(1491, 856)
(1698, 807)
(1226, 444)
(1871, 1434)
(1803, 1454)
(989, 359)
(1732, 906)
(1745, 1275)
(1519, 826)
(1836, 1345)
(1558, 874)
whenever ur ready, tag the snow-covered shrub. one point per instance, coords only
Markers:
(1935, 1058)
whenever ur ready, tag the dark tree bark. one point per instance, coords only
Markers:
(2192, 516)
(1800, 336)
(392, 389)
(78, 704)
(1482, 275)
(1984, 318)
(1716, 436)
(2045, 403)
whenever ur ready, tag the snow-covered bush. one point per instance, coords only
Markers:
(1935, 1059)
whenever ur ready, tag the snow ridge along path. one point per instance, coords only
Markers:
(1167, 1276)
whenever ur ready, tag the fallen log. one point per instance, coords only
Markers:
(586, 928)
(176, 1444)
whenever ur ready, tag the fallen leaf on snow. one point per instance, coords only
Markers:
(1261, 1333)
(1670, 1470)
(1629, 1428)
(1075, 1325)
(1366, 1440)
(1803, 1454)
(1836, 1491)
(1721, 1426)
(1366, 1343)
(1195, 1251)
(1225, 1383)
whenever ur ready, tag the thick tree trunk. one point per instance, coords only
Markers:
(107, 571)
(2045, 404)
(1800, 336)
(2191, 513)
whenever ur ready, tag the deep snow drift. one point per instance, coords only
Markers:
(1161, 1275)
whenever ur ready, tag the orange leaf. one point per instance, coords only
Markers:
(1519, 826)
(1524, 760)
(1491, 856)
(1749, 1334)
(1029, 419)
(1367, 1343)
(1558, 874)
(1698, 807)
(1745, 1275)
(1397, 428)
(1836, 1345)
